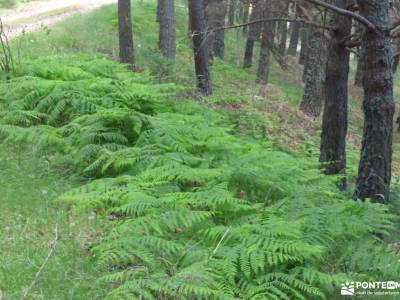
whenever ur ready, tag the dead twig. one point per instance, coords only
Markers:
(37, 275)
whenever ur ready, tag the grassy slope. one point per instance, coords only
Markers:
(235, 88)
(28, 220)
(27, 189)
(270, 111)
(96, 32)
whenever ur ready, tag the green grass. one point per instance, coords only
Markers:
(177, 175)
(235, 89)
(96, 32)
(28, 221)
(259, 113)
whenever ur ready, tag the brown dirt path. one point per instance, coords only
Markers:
(36, 15)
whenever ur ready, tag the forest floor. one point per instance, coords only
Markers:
(32, 16)
(29, 223)
(28, 186)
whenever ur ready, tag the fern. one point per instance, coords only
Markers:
(200, 213)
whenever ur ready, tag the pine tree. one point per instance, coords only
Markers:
(167, 35)
(304, 33)
(295, 28)
(253, 33)
(267, 39)
(314, 66)
(126, 48)
(200, 48)
(282, 29)
(375, 172)
(334, 123)
(215, 15)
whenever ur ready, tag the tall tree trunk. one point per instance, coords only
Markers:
(282, 27)
(126, 50)
(295, 28)
(374, 173)
(394, 17)
(283, 30)
(253, 34)
(334, 122)
(294, 38)
(200, 49)
(219, 41)
(314, 76)
(159, 3)
(267, 39)
(246, 13)
(215, 16)
(232, 12)
(304, 44)
(167, 36)
(359, 31)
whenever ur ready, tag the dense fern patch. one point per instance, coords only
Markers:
(199, 213)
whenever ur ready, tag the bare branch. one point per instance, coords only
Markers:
(274, 20)
(345, 12)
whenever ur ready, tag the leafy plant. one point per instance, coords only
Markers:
(200, 213)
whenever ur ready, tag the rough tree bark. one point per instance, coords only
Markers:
(304, 44)
(294, 36)
(374, 173)
(200, 48)
(219, 40)
(126, 50)
(359, 31)
(314, 73)
(167, 34)
(394, 17)
(158, 10)
(253, 34)
(215, 16)
(334, 122)
(282, 26)
(267, 38)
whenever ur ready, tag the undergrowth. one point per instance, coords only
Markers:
(28, 220)
(198, 212)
